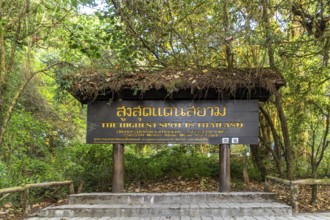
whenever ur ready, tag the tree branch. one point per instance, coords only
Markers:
(18, 93)
(131, 28)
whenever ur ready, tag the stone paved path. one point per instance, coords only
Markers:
(302, 216)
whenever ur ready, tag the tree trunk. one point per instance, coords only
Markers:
(314, 195)
(227, 39)
(276, 152)
(257, 158)
(245, 171)
(278, 96)
(315, 160)
(2, 69)
(265, 18)
(286, 136)
(314, 187)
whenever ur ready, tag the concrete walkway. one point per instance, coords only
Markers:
(301, 216)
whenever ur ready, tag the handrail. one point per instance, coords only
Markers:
(311, 182)
(279, 180)
(294, 187)
(24, 189)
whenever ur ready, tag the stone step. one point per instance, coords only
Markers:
(301, 216)
(146, 210)
(164, 198)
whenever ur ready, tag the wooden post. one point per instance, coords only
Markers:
(25, 202)
(71, 188)
(245, 171)
(267, 185)
(224, 159)
(314, 195)
(294, 197)
(118, 168)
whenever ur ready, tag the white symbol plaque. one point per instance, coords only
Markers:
(225, 140)
(234, 140)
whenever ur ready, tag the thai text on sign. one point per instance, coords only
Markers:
(188, 122)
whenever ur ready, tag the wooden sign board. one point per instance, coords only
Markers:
(173, 122)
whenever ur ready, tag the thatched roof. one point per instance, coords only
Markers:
(90, 84)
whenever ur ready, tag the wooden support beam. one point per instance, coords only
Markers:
(118, 168)
(224, 160)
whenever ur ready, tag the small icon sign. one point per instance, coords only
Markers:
(225, 140)
(234, 140)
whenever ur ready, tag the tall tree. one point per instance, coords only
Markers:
(25, 26)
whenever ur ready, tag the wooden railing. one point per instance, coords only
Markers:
(24, 190)
(294, 187)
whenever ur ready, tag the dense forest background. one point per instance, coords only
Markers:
(42, 127)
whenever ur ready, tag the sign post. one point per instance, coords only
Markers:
(224, 160)
(118, 168)
(173, 122)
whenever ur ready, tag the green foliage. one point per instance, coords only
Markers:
(88, 164)
(92, 165)
(173, 161)
(236, 168)
(4, 179)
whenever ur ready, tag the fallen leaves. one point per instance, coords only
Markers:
(304, 198)
(11, 212)
(8, 211)
(175, 185)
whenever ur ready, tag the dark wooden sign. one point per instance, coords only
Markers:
(189, 122)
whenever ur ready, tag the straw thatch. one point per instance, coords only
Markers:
(88, 84)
